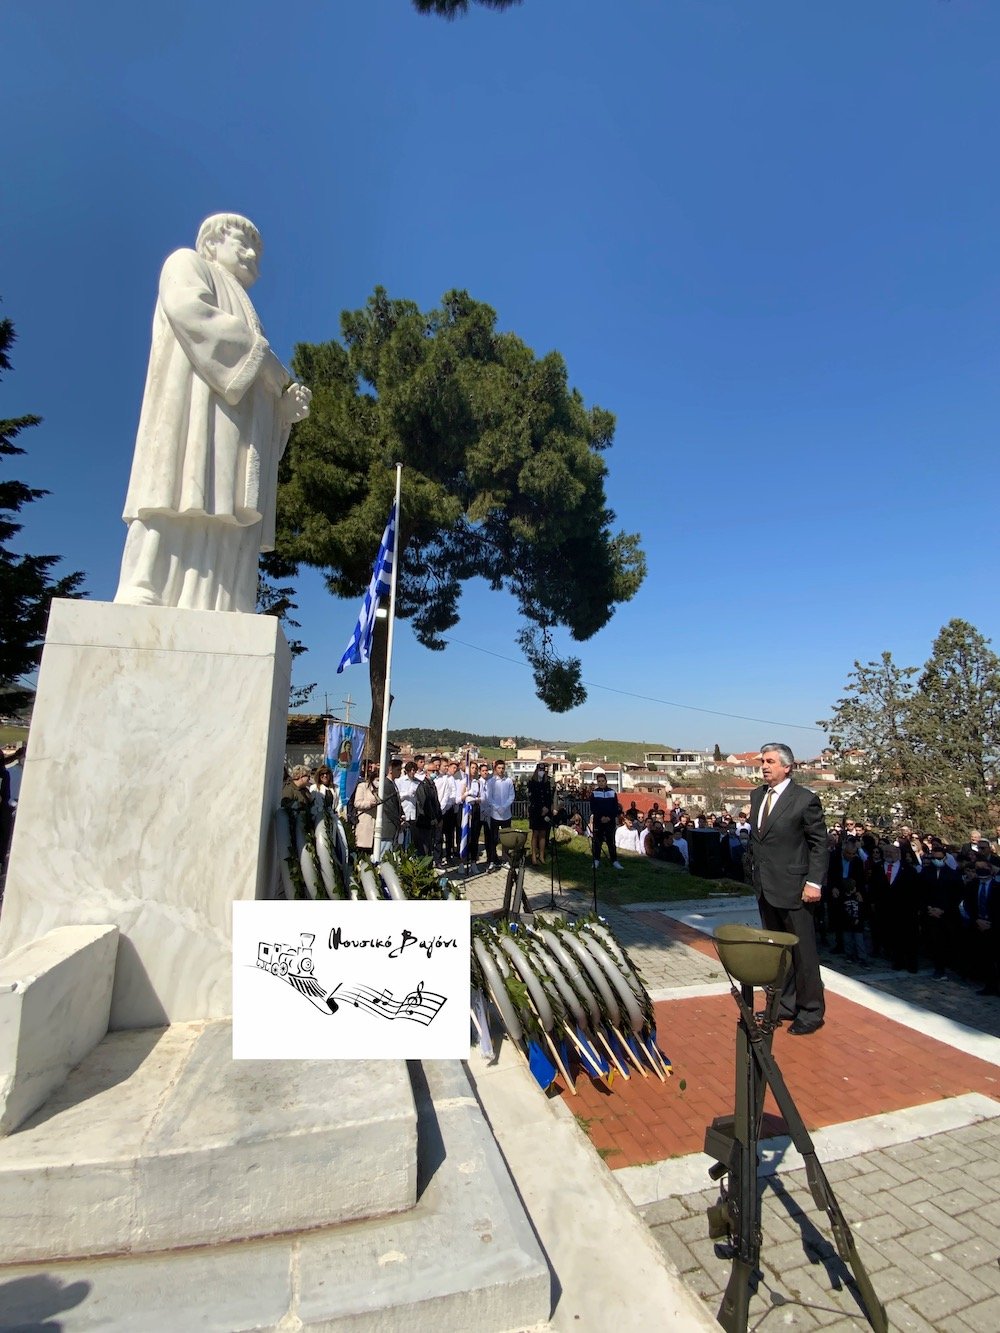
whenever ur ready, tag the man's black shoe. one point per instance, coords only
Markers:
(800, 1029)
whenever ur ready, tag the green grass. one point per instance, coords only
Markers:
(641, 881)
(13, 735)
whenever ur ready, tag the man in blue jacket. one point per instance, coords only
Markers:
(604, 811)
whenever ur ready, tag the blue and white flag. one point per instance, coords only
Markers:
(360, 646)
(345, 744)
(465, 833)
(482, 1024)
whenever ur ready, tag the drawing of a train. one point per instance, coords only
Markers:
(282, 959)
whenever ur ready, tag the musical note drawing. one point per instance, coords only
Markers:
(418, 1006)
(294, 965)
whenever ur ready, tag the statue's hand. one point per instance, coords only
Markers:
(295, 401)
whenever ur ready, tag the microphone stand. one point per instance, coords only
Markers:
(554, 872)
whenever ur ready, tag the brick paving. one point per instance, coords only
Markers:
(869, 1065)
(925, 1212)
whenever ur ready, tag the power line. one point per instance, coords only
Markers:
(645, 698)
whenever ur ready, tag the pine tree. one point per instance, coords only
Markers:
(869, 733)
(926, 751)
(503, 478)
(954, 726)
(451, 9)
(26, 583)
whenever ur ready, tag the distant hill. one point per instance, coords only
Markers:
(616, 752)
(442, 738)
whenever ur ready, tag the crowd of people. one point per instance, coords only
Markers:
(429, 798)
(906, 898)
(429, 806)
(913, 899)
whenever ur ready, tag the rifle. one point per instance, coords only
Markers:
(816, 1178)
(737, 1215)
(757, 957)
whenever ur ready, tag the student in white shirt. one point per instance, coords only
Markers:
(499, 804)
(407, 788)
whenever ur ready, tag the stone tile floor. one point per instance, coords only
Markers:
(924, 1217)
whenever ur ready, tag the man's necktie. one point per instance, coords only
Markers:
(768, 802)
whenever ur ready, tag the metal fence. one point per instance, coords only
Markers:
(568, 808)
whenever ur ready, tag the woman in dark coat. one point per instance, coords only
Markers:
(540, 798)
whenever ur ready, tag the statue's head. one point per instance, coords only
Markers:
(233, 242)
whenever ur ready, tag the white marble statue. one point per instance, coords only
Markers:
(215, 418)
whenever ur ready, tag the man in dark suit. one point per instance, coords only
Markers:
(980, 914)
(845, 873)
(896, 895)
(941, 892)
(789, 849)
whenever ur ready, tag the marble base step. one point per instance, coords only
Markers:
(160, 1140)
(465, 1257)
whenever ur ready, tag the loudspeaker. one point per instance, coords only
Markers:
(706, 855)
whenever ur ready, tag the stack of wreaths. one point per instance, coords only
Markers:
(314, 861)
(566, 995)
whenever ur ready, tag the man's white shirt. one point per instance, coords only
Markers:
(499, 798)
(406, 788)
(774, 800)
(447, 790)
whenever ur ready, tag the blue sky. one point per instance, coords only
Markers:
(764, 235)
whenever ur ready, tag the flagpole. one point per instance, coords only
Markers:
(383, 766)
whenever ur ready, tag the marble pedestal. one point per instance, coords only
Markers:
(160, 1141)
(463, 1258)
(154, 766)
(55, 1000)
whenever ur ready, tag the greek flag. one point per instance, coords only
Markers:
(360, 646)
(463, 850)
(466, 817)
